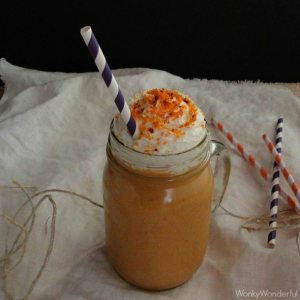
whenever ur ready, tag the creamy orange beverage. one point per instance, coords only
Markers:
(158, 190)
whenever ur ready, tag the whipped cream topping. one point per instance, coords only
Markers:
(168, 122)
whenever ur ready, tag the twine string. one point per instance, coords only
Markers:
(5, 261)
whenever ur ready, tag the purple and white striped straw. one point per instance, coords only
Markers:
(275, 186)
(108, 78)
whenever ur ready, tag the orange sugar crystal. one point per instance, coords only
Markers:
(163, 106)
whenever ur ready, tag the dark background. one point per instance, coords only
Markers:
(229, 40)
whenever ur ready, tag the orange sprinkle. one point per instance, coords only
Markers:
(163, 107)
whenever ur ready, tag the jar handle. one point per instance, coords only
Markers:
(221, 172)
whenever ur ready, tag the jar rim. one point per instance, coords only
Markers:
(202, 142)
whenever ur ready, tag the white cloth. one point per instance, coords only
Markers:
(53, 133)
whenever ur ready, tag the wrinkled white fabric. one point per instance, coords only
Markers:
(53, 133)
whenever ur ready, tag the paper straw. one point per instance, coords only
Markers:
(282, 165)
(262, 171)
(108, 78)
(275, 187)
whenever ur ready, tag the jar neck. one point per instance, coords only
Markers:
(164, 165)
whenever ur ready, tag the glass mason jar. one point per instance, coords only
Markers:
(157, 210)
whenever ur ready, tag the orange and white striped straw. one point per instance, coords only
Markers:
(262, 171)
(248, 157)
(282, 165)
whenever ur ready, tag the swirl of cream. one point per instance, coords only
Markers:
(168, 123)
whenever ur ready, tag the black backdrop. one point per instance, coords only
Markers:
(230, 40)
